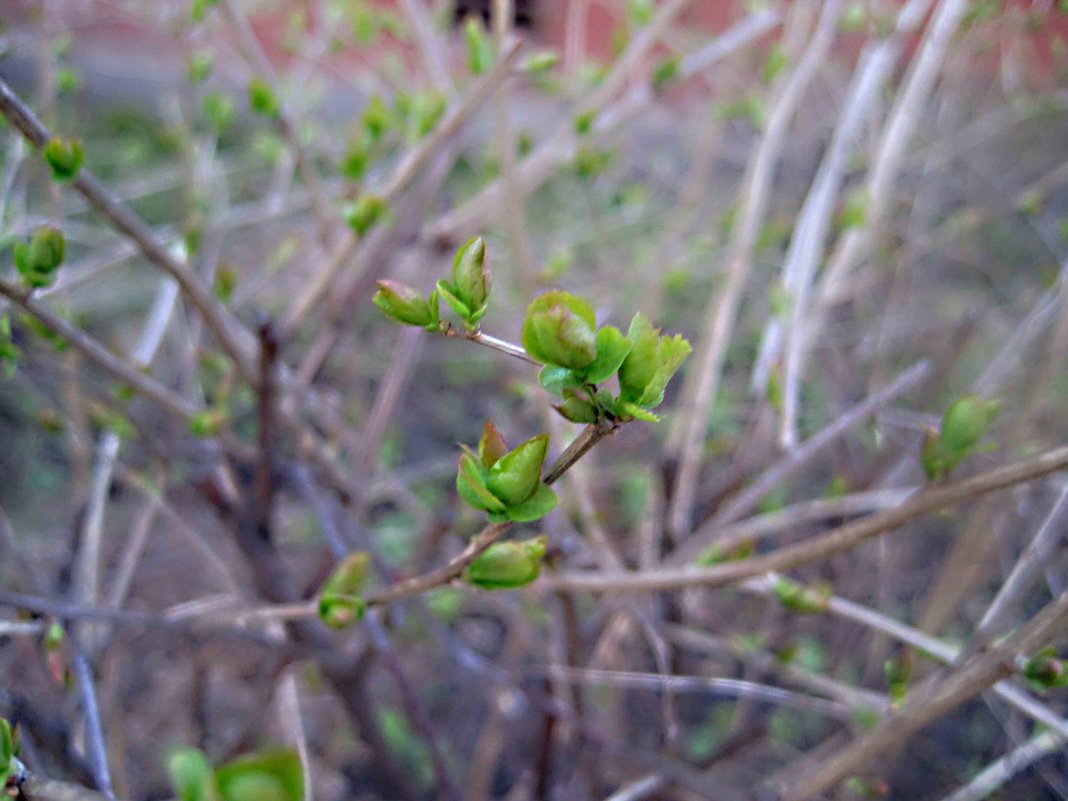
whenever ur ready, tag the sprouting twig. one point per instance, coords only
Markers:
(483, 338)
(747, 500)
(231, 336)
(410, 166)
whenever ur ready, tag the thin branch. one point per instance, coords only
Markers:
(840, 539)
(579, 447)
(995, 775)
(688, 434)
(927, 703)
(35, 788)
(410, 166)
(94, 731)
(789, 465)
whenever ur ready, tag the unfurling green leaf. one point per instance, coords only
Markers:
(38, 259)
(403, 304)
(505, 485)
(612, 349)
(651, 363)
(65, 157)
(507, 565)
(364, 212)
(559, 329)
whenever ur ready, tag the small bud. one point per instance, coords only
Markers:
(364, 212)
(220, 111)
(356, 158)
(1044, 671)
(403, 304)
(37, 260)
(664, 73)
(207, 422)
(559, 329)
(261, 98)
(479, 47)
(542, 61)
(65, 157)
(377, 118)
(965, 422)
(800, 598)
(470, 279)
(507, 565)
(515, 477)
(200, 66)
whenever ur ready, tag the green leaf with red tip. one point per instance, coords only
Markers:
(403, 304)
(492, 445)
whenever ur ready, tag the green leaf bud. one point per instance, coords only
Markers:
(507, 565)
(377, 118)
(664, 73)
(349, 576)
(576, 409)
(542, 61)
(559, 329)
(200, 66)
(470, 279)
(38, 259)
(338, 611)
(220, 111)
(800, 598)
(261, 98)
(65, 157)
(364, 212)
(479, 47)
(965, 422)
(356, 158)
(515, 477)
(208, 422)
(191, 775)
(403, 304)
(265, 776)
(1044, 671)
(492, 445)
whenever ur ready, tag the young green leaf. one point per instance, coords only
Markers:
(470, 278)
(515, 477)
(559, 329)
(558, 379)
(543, 501)
(612, 349)
(471, 484)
